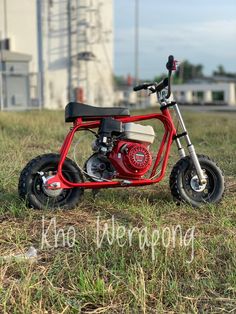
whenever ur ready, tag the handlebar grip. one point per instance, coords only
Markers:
(140, 87)
(170, 64)
(162, 85)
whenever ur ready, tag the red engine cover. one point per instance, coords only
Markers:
(130, 159)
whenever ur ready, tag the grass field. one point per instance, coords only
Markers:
(117, 278)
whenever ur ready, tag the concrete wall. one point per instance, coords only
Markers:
(94, 76)
(55, 53)
(21, 21)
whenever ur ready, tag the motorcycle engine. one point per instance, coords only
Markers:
(136, 156)
(130, 159)
(99, 168)
(121, 151)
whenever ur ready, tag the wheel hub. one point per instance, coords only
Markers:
(196, 186)
(47, 191)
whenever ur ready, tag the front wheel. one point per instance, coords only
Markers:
(184, 183)
(32, 189)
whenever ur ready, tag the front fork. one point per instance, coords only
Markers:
(191, 149)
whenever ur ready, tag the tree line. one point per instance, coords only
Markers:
(188, 71)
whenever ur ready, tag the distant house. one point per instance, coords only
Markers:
(208, 91)
(18, 86)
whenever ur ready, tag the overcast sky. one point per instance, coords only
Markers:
(202, 31)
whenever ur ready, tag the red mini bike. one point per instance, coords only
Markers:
(122, 156)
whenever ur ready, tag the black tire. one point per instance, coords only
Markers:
(31, 188)
(182, 179)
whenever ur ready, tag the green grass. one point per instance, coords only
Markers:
(115, 279)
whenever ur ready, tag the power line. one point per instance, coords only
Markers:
(136, 51)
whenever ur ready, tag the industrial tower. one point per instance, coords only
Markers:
(70, 45)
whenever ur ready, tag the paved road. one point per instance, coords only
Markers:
(220, 109)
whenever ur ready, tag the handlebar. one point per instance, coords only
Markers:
(155, 87)
(158, 87)
(142, 86)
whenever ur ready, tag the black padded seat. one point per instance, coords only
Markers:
(76, 110)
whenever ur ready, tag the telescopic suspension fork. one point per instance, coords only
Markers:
(191, 149)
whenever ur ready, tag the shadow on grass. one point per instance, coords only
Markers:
(130, 206)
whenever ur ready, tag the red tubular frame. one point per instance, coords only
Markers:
(167, 139)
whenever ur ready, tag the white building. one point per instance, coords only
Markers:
(201, 93)
(71, 47)
(221, 93)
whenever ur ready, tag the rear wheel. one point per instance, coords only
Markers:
(32, 189)
(184, 183)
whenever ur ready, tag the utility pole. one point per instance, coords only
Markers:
(136, 57)
(70, 88)
(5, 19)
(1, 70)
(3, 46)
(40, 7)
(72, 29)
